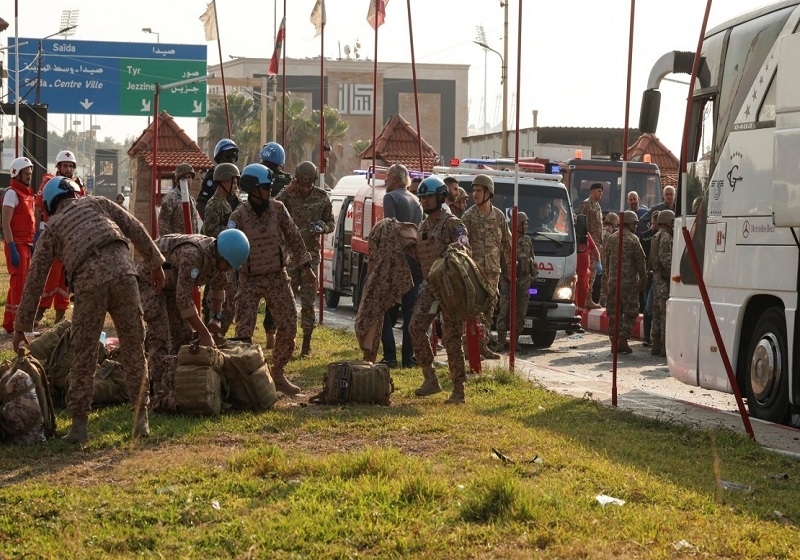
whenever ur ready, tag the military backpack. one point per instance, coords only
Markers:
(461, 288)
(356, 381)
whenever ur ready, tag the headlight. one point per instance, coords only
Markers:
(565, 289)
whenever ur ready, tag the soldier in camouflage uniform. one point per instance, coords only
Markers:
(170, 216)
(218, 212)
(90, 235)
(490, 241)
(171, 314)
(594, 222)
(634, 278)
(437, 232)
(527, 272)
(226, 151)
(310, 209)
(610, 225)
(274, 157)
(660, 263)
(267, 224)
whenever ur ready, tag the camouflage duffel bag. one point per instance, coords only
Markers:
(27, 414)
(197, 380)
(246, 376)
(356, 381)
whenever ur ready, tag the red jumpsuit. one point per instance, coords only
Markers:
(56, 293)
(22, 225)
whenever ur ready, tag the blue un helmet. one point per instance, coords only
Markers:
(432, 185)
(234, 247)
(255, 175)
(273, 153)
(56, 189)
(226, 145)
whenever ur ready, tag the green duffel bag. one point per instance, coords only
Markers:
(109, 384)
(42, 347)
(198, 389)
(356, 381)
(246, 375)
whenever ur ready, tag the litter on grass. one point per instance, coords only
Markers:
(603, 500)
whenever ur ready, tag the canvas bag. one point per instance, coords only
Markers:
(34, 370)
(356, 381)
(197, 380)
(42, 347)
(246, 374)
(459, 285)
(59, 364)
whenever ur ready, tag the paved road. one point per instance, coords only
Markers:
(581, 366)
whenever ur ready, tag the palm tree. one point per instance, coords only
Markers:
(245, 123)
(335, 132)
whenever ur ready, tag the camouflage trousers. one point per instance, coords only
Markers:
(120, 298)
(308, 291)
(275, 290)
(628, 305)
(658, 330)
(452, 334)
(486, 318)
(166, 333)
(523, 297)
(592, 276)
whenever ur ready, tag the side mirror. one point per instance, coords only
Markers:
(581, 229)
(648, 114)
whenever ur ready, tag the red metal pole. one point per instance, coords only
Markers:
(154, 177)
(321, 276)
(416, 94)
(512, 312)
(374, 122)
(322, 163)
(715, 329)
(283, 84)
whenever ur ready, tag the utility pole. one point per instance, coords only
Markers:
(504, 144)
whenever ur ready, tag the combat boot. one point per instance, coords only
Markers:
(39, 316)
(78, 433)
(284, 385)
(431, 384)
(501, 341)
(141, 424)
(622, 346)
(305, 352)
(663, 352)
(488, 354)
(270, 340)
(60, 315)
(655, 350)
(457, 397)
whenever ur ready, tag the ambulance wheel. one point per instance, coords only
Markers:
(331, 298)
(543, 339)
(767, 381)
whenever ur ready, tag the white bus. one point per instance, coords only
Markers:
(741, 201)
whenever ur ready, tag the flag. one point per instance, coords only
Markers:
(276, 54)
(318, 17)
(210, 22)
(377, 12)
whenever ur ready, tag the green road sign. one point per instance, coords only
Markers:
(137, 86)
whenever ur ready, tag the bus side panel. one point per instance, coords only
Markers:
(682, 338)
(711, 370)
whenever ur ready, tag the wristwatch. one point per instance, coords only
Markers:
(217, 316)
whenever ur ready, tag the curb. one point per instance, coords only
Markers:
(596, 320)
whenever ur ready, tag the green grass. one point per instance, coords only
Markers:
(416, 479)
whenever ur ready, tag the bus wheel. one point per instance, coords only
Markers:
(331, 298)
(543, 339)
(767, 380)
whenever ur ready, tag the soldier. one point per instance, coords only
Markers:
(274, 157)
(170, 216)
(646, 298)
(18, 232)
(310, 209)
(527, 272)
(460, 204)
(90, 235)
(634, 277)
(171, 314)
(660, 263)
(267, 224)
(594, 221)
(610, 225)
(226, 151)
(218, 212)
(490, 240)
(437, 232)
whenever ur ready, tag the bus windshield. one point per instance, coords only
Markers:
(647, 185)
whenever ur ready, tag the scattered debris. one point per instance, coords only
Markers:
(681, 544)
(215, 504)
(536, 460)
(779, 476)
(603, 500)
(500, 456)
(734, 486)
(171, 488)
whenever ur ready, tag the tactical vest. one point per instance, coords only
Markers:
(265, 236)
(281, 180)
(431, 244)
(168, 243)
(83, 229)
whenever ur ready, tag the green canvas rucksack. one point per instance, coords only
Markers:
(197, 380)
(459, 285)
(9, 397)
(246, 378)
(356, 381)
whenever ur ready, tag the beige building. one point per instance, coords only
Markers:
(442, 88)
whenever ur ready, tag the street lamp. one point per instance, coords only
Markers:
(504, 82)
(156, 33)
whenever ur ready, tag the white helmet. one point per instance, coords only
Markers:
(66, 155)
(19, 164)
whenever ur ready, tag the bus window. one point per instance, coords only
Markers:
(767, 111)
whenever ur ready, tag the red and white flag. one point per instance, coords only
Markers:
(318, 17)
(276, 54)
(210, 22)
(377, 13)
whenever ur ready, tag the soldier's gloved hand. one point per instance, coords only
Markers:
(13, 254)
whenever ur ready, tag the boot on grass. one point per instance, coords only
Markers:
(141, 424)
(431, 384)
(79, 432)
(305, 352)
(284, 385)
(457, 397)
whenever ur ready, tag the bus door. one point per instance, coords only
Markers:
(331, 247)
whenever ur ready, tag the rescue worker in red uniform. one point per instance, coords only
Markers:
(19, 227)
(56, 293)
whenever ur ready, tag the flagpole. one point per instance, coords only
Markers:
(283, 84)
(322, 163)
(512, 311)
(416, 94)
(222, 69)
(374, 118)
